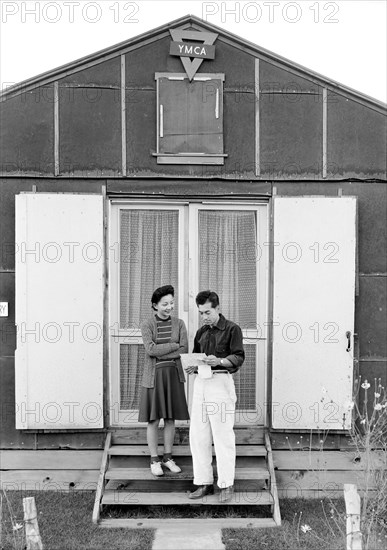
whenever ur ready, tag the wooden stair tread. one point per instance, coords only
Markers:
(123, 461)
(131, 498)
(182, 450)
(187, 473)
(182, 523)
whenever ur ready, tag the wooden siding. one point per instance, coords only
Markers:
(105, 74)
(356, 140)
(142, 64)
(372, 245)
(7, 324)
(298, 473)
(371, 317)
(94, 146)
(140, 113)
(10, 437)
(239, 128)
(294, 141)
(291, 136)
(291, 122)
(27, 132)
(185, 188)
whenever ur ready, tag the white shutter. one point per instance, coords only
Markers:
(59, 311)
(313, 312)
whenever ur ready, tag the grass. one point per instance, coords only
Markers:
(306, 524)
(65, 524)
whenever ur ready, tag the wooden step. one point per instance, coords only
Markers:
(137, 435)
(186, 473)
(255, 483)
(182, 523)
(135, 498)
(182, 450)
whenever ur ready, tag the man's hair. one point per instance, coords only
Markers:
(207, 296)
(161, 292)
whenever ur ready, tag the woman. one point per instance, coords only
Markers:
(162, 392)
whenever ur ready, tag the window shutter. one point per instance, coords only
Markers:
(313, 312)
(192, 116)
(59, 311)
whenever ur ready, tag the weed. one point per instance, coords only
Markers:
(12, 533)
(369, 437)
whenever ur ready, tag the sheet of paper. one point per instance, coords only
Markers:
(192, 359)
(204, 371)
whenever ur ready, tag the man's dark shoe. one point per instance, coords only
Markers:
(202, 491)
(226, 494)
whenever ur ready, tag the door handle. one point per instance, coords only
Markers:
(348, 335)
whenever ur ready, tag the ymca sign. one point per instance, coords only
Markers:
(192, 47)
(189, 49)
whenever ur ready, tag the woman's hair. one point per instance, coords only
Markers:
(161, 292)
(207, 296)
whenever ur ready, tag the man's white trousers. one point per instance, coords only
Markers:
(212, 418)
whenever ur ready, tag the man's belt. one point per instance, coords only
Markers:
(219, 371)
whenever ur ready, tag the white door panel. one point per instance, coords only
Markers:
(59, 311)
(313, 311)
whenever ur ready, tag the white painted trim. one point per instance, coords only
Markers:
(123, 116)
(56, 130)
(257, 120)
(21, 364)
(183, 76)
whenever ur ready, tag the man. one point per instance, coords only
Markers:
(213, 406)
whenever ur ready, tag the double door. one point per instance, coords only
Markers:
(192, 246)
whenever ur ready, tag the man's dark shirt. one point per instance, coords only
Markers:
(224, 340)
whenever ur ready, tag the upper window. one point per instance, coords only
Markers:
(189, 119)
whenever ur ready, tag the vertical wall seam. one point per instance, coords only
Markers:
(56, 128)
(257, 121)
(123, 115)
(325, 131)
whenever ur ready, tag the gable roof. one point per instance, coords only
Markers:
(192, 22)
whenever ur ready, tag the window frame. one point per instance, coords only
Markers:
(188, 158)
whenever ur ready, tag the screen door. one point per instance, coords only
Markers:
(193, 247)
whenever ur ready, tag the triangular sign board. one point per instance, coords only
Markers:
(191, 66)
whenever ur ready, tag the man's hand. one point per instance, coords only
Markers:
(212, 360)
(191, 370)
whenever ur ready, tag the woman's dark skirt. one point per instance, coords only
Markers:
(166, 399)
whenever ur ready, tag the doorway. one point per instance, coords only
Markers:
(193, 246)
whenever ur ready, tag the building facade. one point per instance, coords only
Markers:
(192, 157)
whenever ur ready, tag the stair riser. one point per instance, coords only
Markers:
(182, 450)
(137, 436)
(183, 461)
